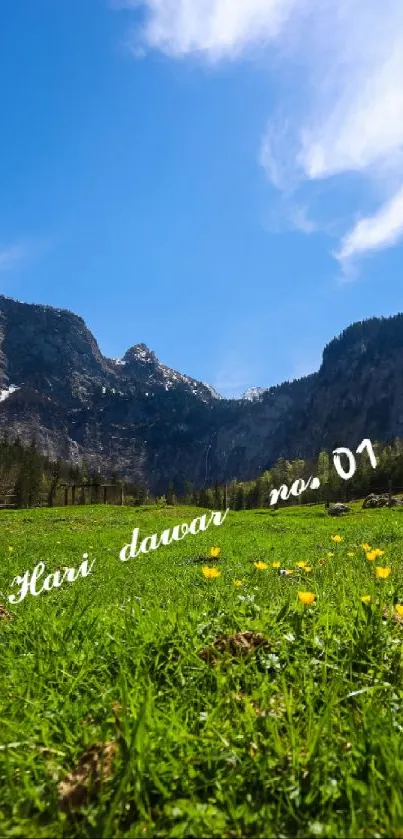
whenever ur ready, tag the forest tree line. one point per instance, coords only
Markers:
(29, 478)
(243, 495)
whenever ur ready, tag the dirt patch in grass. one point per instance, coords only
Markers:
(4, 615)
(236, 645)
(94, 766)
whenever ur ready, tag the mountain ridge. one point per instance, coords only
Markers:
(157, 426)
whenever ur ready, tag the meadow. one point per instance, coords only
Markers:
(150, 700)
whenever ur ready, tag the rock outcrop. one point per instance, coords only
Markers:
(338, 510)
(372, 501)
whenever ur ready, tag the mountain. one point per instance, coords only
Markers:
(155, 425)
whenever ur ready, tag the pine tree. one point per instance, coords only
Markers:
(239, 500)
(323, 473)
(34, 473)
(170, 494)
(188, 491)
(54, 481)
(204, 498)
(218, 498)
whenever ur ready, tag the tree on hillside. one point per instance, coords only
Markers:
(323, 473)
(29, 481)
(239, 500)
(217, 498)
(256, 494)
(56, 470)
(206, 498)
(170, 494)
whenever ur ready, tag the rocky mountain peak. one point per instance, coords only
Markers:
(140, 353)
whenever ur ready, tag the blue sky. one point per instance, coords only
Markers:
(221, 181)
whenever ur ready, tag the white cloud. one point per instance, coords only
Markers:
(363, 127)
(374, 232)
(215, 28)
(343, 110)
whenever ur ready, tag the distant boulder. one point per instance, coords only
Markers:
(372, 501)
(338, 509)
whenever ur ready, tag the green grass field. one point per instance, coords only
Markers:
(299, 736)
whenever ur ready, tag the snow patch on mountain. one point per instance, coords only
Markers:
(212, 390)
(252, 394)
(4, 394)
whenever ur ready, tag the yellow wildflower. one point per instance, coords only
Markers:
(337, 538)
(382, 573)
(215, 552)
(371, 555)
(366, 598)
(260, 565)
(366, 547)
(275, 565)
(307, 568)
(377, 552)
(237, 582)
(306, 597)
(10, 549)
(288, 571)
(399, 610)
(300, 564)
(210, 573)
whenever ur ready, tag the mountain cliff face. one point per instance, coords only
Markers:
(152, 424)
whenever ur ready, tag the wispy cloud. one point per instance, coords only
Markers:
(343, 109)
(288, 215)
(11, 256)
(21, 252)
(300, 220)
(374, 232)
(234, 375)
